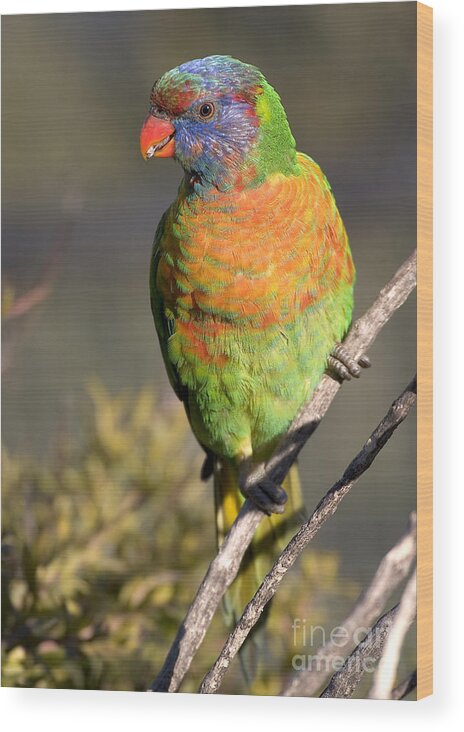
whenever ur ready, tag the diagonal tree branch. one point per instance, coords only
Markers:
(224, 566)
(397, 413)
(347, 679)
(383, 642)
(391, 571)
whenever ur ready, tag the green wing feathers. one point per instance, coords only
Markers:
(163, 324)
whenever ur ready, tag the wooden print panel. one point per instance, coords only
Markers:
(101, 472)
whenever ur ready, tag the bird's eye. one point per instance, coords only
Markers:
(207, 110)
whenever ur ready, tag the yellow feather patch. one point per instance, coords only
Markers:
(263, 108)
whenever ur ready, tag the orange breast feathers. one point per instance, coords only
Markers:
(258, 255)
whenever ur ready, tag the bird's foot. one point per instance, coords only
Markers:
(207, 469)
(344, 366)
(268, 496)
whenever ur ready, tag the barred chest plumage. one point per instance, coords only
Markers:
(256, 287)
(253, 256)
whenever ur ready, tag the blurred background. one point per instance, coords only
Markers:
(107, 528)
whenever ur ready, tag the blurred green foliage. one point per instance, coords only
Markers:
(103, 549)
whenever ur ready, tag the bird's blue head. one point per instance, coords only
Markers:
(222, 121)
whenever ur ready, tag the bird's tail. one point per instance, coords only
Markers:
(270, 538)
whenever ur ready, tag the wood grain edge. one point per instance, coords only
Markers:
(424, 351)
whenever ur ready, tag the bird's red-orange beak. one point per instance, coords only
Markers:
(157, 138)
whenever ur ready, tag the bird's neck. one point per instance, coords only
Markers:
(275, 150)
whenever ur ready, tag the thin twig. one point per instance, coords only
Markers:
(325, 509)
(224, 567)
(391, 571)
(385, 674)
(39, 292)
(14, 322)
(347, 679)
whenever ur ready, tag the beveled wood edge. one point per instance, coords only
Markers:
(425, 351)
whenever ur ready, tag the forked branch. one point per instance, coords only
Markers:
(392, 570)
(385, 674)
(347, 679)
(384, 642)
(398, 412)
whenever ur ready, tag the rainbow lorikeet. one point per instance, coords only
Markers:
(251, 275)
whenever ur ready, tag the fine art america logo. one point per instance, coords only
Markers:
(329, 657)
